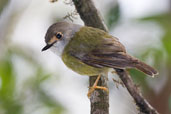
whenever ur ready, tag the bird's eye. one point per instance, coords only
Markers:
(59, 35)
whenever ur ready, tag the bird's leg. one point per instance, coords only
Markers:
(91, 90)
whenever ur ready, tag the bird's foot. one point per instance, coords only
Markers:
(91, 90)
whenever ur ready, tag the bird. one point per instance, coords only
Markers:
(91, 51)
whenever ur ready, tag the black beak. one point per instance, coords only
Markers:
(47, 47)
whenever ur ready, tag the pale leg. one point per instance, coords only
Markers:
(96, 87)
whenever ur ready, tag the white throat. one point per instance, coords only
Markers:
(58, 47)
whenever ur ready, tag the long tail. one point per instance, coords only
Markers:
(133, 62)
(145, 68)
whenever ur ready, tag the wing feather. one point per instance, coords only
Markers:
(110, 53)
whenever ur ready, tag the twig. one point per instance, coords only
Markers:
(118, 82)
(71, 15)
(91, 17)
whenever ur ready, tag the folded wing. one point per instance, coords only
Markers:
(111, 53)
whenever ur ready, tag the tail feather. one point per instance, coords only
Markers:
(145, 68)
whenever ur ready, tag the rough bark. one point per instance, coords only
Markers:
(100, 100)
(141, 102)
(89, 14)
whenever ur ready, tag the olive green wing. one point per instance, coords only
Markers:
(111, 53)
(109, 45)
(89, 40)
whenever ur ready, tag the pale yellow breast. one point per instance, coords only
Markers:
(81, 68)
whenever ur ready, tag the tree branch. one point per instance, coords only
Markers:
(89, 14)
(140, 101)
(100, 100)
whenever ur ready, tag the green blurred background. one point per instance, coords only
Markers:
(32, 82)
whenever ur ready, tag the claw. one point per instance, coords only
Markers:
(91, 90)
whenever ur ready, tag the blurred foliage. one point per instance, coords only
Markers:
(3, 4)
(14, 100)
(112, 16)
(35, 84)
(11, 102)
(165, 21)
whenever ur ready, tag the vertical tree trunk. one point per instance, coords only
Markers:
(89, 14)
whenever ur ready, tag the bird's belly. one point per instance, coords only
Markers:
(80, 67)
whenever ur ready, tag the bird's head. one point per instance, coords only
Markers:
(59, 34)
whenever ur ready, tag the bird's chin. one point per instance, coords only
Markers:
(58, 47)
(56, 51)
